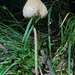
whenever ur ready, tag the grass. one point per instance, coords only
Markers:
(13, 43)
(17, 48)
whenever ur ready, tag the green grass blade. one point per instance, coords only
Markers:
(26, 39)
(7, 69)
(69, 57)
(27, 29)
(49, 39)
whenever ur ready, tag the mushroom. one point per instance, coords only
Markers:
(34, 8)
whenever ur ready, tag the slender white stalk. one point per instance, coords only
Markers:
(36, 52)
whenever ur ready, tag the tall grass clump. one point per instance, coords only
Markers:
(64, 55)
(12, 52)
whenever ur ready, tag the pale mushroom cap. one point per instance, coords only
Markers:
(30, 9)
(42, 10)
(34, 8)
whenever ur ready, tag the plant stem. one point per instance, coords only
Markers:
(36, 52)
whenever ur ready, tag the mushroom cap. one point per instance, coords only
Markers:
(34, 8)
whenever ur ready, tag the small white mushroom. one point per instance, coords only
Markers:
(34, 8)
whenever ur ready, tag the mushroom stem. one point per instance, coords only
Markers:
(36, 52)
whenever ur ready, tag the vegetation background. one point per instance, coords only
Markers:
(56, 36)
